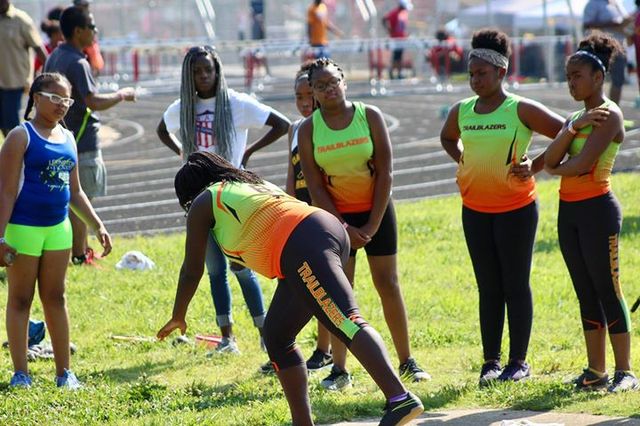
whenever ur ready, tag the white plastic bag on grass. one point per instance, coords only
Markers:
(136, 261)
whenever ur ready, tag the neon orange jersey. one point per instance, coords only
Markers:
(598, 180)
(346, 158)
(492, 143)
(253, 223)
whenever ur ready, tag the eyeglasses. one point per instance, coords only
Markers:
(57, 99)
(321, 86)
(92, 27)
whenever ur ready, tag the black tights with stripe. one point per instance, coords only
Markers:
(588, 232)
(501, 248)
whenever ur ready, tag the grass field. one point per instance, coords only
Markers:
(157, 383)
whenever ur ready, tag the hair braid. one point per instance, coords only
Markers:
(224, 129)
(203, 169)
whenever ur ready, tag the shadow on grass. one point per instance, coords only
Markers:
(133, 373)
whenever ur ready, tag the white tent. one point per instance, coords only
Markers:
(517, 16)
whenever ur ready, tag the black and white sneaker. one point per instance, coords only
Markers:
(623, 381)
(490, 372)
(402, 412)
(319, 361)
(410, 370)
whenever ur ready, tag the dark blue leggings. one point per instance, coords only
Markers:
(588, 232)
(501, 247)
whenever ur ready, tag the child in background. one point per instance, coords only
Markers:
(38, 183)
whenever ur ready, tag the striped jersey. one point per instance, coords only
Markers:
(253, 223)
(492, 143)
(346, 158)
(598, 180)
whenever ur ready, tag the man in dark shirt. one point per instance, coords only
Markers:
(79, 30)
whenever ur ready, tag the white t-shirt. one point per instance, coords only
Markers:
(247, 114)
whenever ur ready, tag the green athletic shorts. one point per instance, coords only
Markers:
(33, 240)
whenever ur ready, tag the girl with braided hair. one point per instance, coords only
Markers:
(38, 183)
(260, 226)
(210, 117)
(590, 216)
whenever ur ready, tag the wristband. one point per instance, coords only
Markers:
(571, 129)
(345, 225)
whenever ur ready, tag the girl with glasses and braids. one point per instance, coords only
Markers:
(38, 183)
(260, 226)
(210, 117)
(346, 158)
(488, 135)
(590, 216)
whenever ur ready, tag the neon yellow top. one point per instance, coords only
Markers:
(345, 157)
(253, 223)
(492, 143)
(598, 180)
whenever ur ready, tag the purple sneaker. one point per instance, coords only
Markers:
(515, 371)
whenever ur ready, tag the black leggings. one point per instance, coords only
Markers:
(588, 232)
(501, 247)
(314, 285)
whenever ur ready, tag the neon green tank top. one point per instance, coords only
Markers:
(492, 143)
(253, 223)
(345, 157)
(598, 180)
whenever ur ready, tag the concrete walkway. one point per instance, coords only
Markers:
(507, 418)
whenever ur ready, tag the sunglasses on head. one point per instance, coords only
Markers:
(57, 99)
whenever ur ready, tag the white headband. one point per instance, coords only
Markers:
(491, 56)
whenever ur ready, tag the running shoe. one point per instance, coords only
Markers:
(227, 345)
(20, 379)
(403, 411)
(337, 380)
(623, 381)
(490, 372)
(411, 371)
(515, 371)
(319, 361)
(589, 380)
(267, 368)
(68, 380)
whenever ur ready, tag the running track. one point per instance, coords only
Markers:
(141, 169)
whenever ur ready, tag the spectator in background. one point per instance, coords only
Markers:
(318, 24)
(18, 35)
(446, 55)
(51, 27)
(79, 30)
(257, 20)
(396, 23)
(611, 17)
(93, 52)
(635, 39)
